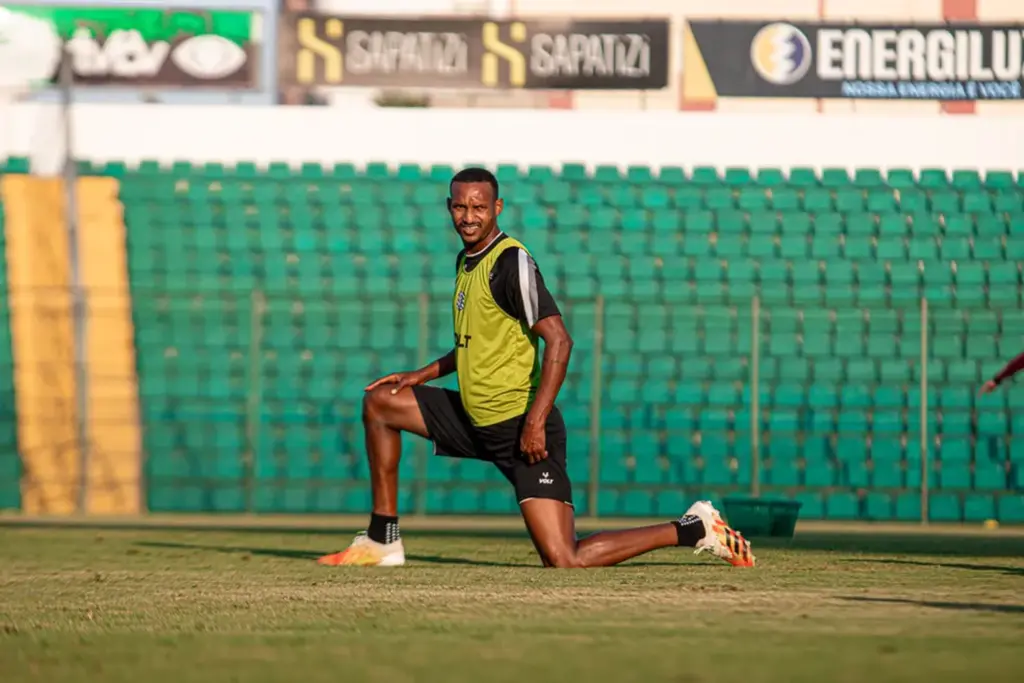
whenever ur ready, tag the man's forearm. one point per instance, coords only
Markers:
(554, 365)
(442, 367)
(1010, 369)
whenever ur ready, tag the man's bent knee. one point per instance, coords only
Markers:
(379, 403)
(564, 558)
(566, 562)
(394, 411)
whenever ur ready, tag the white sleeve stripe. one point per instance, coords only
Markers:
(528, 288)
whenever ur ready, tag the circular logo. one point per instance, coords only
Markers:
(781, 53)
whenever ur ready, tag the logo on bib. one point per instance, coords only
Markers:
(460, 301)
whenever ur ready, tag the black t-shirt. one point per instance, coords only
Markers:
(516, 284)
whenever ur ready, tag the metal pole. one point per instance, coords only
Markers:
(595, 407)
(423, 452)
(253, 410)
(925, 465)
(78, 298)
(755, 398)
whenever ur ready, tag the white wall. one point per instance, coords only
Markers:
(320, 134)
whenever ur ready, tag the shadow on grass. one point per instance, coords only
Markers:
(908, 543)
(284, 553)
(957, 606)
(1009, 571)
(311, 555)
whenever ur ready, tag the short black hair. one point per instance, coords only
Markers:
(474, 174)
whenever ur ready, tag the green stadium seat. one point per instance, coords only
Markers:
(891, 224)
(1016, 226)
(945, 202)
(933, 179)
(803, 177)
(829, 370)
(1004, 202)
(997, 179)
(923, 249)
(639, 174)
(868, 178)
(964, 179)
(955, 475)
(655, 198)
(878, 506)
(540, 173)
(574, 172)
(944, 507)
(705, 175)
(887, 472)
(729, 248)
(794, 223)
(977, 202)
(794, 370)
(774, 178)
(1011, 509)
(990, 474)
(911, 201)
(603, 173)
(835, 178)
(828, 224)
(849, 201)
(859, 248)
(811, 505)
(908, 507)
(991, 226)
(842, 506)
(958, 226)
(817, 201)
(15, 164)
(738, 176)
(1015, 249)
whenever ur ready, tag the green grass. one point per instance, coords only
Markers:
(223, 604)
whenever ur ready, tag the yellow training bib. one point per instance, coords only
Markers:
(496, 355)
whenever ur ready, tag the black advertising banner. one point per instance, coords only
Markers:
(325, 50)
(863, 61)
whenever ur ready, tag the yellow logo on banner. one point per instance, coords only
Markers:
(311, 46)
(497, 49)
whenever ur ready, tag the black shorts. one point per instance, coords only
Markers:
(448, 426)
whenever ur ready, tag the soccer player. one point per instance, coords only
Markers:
(1008, 371)
(505, 410)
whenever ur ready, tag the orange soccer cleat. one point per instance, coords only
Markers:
(364, 552)
(720, 539)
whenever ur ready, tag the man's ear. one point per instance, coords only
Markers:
(448, 203)
(499, 206)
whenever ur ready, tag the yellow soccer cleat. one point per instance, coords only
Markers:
(364, 552)
(719, 538)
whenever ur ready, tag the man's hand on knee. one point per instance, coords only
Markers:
(400, 380)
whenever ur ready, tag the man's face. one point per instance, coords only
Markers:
(474, 212)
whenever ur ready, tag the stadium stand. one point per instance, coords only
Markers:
(352, 269)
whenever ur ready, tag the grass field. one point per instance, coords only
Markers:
(200, 602)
